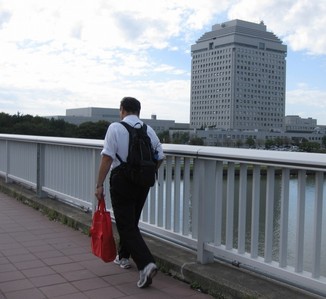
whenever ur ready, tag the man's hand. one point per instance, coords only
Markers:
(99, 192)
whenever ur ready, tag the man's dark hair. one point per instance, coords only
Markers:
(131, 105)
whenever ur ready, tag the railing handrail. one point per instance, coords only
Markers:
(67, 141)
(309, 161)
(300, 160)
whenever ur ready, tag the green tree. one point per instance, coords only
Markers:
(93, 130)
(5, 122)
(310, 147)
(323, 141)
(250, 142)
(238, 143)
(30, 125)
(269, 143)
(180, 137)
(164, 136)
(196, 141)
(278, 141)
(286, 141)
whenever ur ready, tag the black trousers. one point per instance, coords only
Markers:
(127, 202)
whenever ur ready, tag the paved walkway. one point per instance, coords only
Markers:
(40, 258)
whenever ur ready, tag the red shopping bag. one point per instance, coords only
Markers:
(103, 244)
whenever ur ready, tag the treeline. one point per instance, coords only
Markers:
(179, 138)
(41, 126)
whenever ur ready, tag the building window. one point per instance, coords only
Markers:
(262, 46)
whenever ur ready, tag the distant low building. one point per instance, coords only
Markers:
(96, 112)
(237, 138)
(294, 123)
(78, 116)
(297, 128)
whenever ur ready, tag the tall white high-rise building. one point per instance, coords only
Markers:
(238, 75)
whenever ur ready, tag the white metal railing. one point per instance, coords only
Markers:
(262, 210)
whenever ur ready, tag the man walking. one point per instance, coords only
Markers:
(127, 198)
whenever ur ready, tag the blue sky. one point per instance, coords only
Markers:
(61, 54)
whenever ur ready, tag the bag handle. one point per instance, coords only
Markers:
(101, 205)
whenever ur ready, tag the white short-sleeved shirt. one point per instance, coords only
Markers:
(117, 140)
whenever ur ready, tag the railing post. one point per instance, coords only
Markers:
(176, 208)
(186, 197)
(95, 169)
(229, 206)
(7, 180)
(242, 209)
(218, 203)
(269, 218)
(255, 211)
(317, 226)
(205, 181)
(160, 209)
(300, 221)
(284, 221)
(168, 193)
(40, 170)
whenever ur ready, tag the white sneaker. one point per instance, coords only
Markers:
(146, 275)
(124, 263)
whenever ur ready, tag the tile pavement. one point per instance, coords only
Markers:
(40, 258)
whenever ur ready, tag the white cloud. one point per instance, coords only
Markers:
(304, 94)
(307, 102)
(91, 50)
(297, 22)
(109, 24)
(64, 54)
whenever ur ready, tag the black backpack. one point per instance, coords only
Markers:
(141, 166)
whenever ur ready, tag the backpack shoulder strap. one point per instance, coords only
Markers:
(144, 127)
(129, 128)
